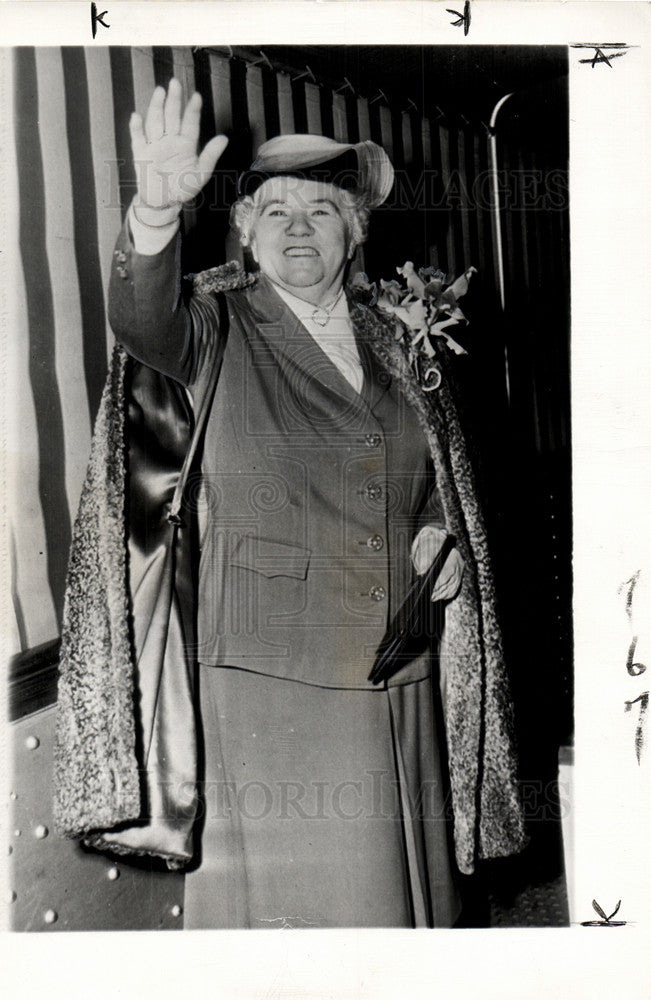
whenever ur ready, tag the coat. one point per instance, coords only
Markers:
(102, 751)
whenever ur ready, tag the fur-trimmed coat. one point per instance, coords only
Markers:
(99, 735)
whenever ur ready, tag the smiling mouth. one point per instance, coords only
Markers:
(301, 252)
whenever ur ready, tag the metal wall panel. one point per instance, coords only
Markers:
(54, 883)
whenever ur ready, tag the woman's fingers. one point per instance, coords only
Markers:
(192, 118)
(165, 148)
(209, 156)
(426, 547)
(154, 123)
(164, 114)
(137, 133)
(449, 580)
(172, 108)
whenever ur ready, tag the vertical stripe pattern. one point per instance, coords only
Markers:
(220, 85)
(363, 119)
(450, 261)
(33, 608)
(340, 118)
(426, 136)
(285, 105)
(313, 108)
(255, 101)
(386, 131)
(84, 213)
(407, 141)
(105, 164)
(71, 365)
(124, 102)
(40, 317)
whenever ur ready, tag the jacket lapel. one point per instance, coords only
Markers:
(298, 351)
(376, 378)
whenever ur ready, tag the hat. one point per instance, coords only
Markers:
(362, 167)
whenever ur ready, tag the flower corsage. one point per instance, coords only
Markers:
(427, 306)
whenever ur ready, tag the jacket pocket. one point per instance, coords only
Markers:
(269, 558)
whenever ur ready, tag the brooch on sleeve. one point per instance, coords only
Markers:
(225, 278)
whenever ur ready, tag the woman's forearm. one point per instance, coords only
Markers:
(146, 309)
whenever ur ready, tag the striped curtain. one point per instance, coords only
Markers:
(536, 253)
(71, 181)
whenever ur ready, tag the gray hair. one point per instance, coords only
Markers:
(353, 208)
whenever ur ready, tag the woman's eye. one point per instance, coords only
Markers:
(276, 212)
(320, 211)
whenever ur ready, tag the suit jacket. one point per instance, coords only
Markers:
(488, 819)
(310, 494)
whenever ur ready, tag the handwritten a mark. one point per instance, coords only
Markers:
(462, 19)
(639, 731)
(96, 19)
(599, 51)
(599, 56)
(605, 921)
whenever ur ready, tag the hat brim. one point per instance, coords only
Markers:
(363, 168)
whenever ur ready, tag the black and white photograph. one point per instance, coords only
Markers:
(296, 479)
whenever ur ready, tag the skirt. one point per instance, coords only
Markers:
(322, 807)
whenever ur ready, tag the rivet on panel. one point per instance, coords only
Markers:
(17, 833)
(176, 910)
(40, 831)
(11, 896)
(112, 874)
(13, 795)
(32, 742)
(50, 916)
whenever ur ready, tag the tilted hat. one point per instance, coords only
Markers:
(362, 167)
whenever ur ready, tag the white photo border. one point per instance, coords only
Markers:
(610, 218)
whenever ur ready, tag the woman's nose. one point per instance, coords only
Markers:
(299, 224)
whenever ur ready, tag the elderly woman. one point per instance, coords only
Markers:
(326, 483)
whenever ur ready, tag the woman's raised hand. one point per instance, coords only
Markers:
(168, 170)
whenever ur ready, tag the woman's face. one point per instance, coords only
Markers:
(300, 237)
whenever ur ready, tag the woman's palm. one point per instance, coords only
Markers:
(168, 169)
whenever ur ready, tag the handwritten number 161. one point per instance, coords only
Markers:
(635, 669)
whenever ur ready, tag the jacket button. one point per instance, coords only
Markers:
(373, 440)
(375, 542)
(120, 256)
(122, 271)
(377, 593)
(374, 492)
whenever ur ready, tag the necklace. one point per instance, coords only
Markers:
(321, 315)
